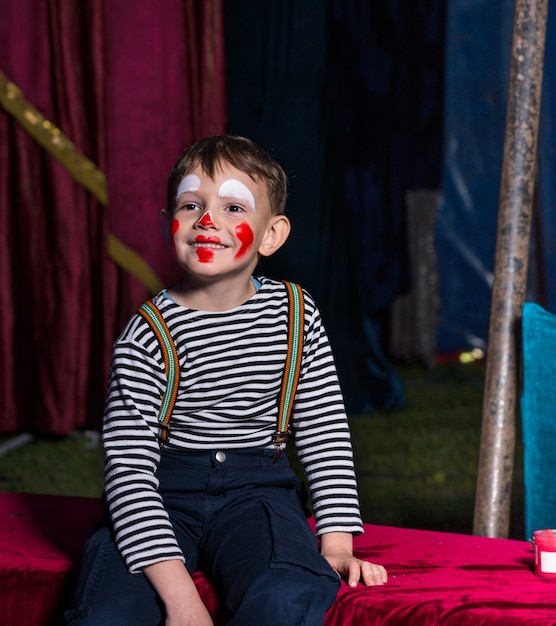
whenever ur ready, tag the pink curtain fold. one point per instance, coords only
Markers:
(124, 87)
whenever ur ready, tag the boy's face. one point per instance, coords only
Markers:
(219, 227)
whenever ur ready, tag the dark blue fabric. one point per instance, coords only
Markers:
(241, 518)
(384, 106)
(347, 94)
(538, 416)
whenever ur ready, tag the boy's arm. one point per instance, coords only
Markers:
(132, 454)
(337, 549)
(176, 589)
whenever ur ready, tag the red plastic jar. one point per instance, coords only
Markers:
(545, 552)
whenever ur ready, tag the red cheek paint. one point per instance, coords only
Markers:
(173, 230)
(245, 235)
(205, 255)
(206, 220)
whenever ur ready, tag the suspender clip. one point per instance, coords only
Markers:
(279, 440)
(163, 434)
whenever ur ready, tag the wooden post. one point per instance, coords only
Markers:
(496, 458)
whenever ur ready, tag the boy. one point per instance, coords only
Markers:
(216, 495)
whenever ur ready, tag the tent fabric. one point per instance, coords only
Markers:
(347, 95)
(130, 91)
(478, 52)
(55, 283)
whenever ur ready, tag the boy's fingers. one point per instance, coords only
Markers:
(370, 574)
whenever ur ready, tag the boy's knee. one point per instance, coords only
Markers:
(287, 596)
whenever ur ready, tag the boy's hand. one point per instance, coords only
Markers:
(355, 570)
(336, 548)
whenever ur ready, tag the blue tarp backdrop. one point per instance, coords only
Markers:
(478, 53)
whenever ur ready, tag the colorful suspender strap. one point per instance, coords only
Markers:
(290, 378)
(153, 316)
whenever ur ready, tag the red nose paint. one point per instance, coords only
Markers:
(205, 255)
(245, 235)
(206, 220)
(173, 230)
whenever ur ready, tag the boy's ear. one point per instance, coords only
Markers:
(165, 221)
(275, 236)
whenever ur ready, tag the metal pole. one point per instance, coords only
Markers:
(496, 457)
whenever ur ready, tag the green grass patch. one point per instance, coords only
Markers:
(55, 465)
(417, 467)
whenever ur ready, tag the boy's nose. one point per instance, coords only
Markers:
(207, 220)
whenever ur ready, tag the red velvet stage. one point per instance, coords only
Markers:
(435, 578)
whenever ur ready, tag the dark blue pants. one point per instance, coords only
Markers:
(239, 517)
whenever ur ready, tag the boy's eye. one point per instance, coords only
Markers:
(189, 206)
(235, 208)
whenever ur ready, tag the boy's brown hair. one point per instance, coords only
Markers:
(243, 154)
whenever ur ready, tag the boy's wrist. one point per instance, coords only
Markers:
(336, 541)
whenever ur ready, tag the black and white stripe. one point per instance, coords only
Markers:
(231, 368)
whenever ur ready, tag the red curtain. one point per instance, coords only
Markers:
(130, 89)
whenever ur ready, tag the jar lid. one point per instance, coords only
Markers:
(545, 533)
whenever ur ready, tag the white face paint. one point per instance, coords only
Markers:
(233, 188)
(188, 183)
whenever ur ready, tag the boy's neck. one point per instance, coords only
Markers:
(213, 296)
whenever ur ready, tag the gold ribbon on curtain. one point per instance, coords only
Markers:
(84, 171)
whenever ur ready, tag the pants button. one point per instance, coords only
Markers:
(220, 456)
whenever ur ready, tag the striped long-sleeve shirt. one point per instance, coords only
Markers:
(231, 369)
